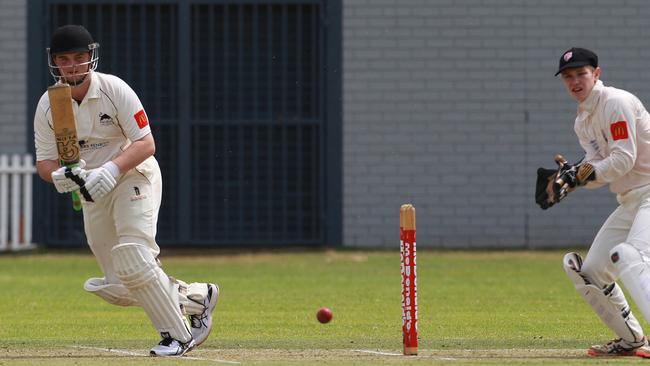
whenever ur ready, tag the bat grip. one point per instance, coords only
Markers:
(81, 183)
(76, 201)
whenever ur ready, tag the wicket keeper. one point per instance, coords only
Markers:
(613, 127)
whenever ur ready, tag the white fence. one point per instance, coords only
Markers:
(16, 174)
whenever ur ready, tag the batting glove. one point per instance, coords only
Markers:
(69, 178)
(102, 180)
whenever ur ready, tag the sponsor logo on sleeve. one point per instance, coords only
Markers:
(141, 119)
(619, 130)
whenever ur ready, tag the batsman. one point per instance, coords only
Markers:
(121, 188)
(613, 128)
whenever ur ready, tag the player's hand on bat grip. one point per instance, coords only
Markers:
(69, 178)
(101, 181)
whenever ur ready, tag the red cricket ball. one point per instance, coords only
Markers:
(324, 315)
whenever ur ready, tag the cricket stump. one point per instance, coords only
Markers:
(409, 279)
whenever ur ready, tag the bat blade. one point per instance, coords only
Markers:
(65, 128)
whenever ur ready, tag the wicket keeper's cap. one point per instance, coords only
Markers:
(577, 57)
(71, 38)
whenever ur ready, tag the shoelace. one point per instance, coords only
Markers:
(166, 342)
(616, 346)
(197, 321)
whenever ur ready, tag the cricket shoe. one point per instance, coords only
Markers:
(643, 351)
(619, 347)
(171, 347)
(202, 323)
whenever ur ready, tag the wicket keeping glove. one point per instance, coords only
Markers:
(553, 185)
(102, 180)
(69, 178)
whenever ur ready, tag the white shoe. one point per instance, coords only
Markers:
(202, 323)
(171, 347)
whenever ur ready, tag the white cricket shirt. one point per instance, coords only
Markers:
(613, 128)
(108, 119)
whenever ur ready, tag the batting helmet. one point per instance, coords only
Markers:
(72, 38)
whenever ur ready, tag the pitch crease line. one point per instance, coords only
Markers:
(399, 354)
(377, 352)
(129, 353)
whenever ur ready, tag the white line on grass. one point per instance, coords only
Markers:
(130, 353)
(399, 354)
(377, 352)
(121, 351)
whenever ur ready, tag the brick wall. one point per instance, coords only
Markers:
(13, 76)
(452, 105)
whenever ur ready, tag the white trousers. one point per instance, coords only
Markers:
(629, 223)
(128, 214)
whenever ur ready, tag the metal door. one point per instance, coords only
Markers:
(244, 102)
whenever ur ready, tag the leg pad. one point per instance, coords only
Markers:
(139, 272)
(113, 293)
(609, 302)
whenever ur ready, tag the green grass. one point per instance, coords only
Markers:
(266, 315)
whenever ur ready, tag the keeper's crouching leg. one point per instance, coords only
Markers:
(608, 302)
(633, 268)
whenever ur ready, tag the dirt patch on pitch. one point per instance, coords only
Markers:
(385, 357)
(335, 357)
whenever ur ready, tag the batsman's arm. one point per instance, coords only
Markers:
(136, 153)
(45, 169)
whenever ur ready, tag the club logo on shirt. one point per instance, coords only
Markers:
(105, 119)
(141, 119)
(619, 130)
(138, 196)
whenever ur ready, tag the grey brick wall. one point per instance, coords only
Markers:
(13, 76)
(448, 104)
(452, 106)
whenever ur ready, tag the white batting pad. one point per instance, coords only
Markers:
(192, 296)
(139, 272)
(634, 270)
(115, 294)
(609, 303)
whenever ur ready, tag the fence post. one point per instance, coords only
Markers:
(4, 204)
(16, 202)
(28, 192)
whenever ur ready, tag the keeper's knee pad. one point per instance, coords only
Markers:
(634, 270)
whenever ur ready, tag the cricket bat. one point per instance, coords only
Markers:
(65, 132)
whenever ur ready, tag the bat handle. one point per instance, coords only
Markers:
(76, 201)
